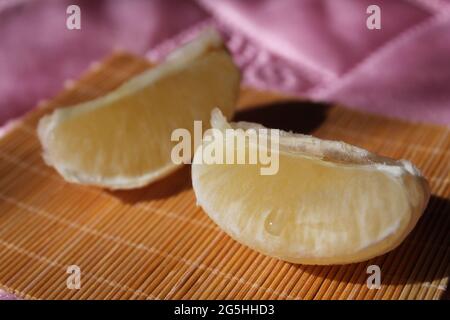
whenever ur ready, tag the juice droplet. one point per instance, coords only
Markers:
(273, 223)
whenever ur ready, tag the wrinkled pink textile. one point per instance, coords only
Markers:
(38, 53)
(317, 49)
(321, 50)
(402, 70)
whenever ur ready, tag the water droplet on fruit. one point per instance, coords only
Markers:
(273, 223)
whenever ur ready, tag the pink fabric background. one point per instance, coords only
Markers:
(316, 49)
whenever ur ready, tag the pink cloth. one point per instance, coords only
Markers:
(38, 53)
(316, 49)
(321, 50)
(402, 70)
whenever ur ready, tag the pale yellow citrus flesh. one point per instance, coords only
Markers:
(314, 210)
(123, 140)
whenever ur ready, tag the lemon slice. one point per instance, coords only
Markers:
(328, 203)
(123, 139)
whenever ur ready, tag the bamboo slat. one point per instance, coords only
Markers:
(154, 243)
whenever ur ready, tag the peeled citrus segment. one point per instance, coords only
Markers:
(123, 139)
(329, 202)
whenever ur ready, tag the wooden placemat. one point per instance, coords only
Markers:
(154, 243)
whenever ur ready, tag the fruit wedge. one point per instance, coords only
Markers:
(123, 139)
(329, 202)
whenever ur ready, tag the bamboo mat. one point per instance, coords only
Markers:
(154, 243)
